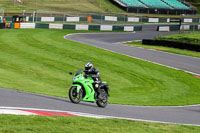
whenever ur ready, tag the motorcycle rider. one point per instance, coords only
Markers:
(94, 74)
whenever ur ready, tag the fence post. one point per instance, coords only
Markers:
(101, 18)
(33, 16)
(64, 18)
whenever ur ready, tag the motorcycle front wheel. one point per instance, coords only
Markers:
(74, 96)
(104, 101)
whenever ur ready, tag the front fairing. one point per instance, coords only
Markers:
(87, 84)
(79, 78)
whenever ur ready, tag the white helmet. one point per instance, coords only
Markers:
(89, 66)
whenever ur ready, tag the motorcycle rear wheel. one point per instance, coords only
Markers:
(74, 96)
(103, 102)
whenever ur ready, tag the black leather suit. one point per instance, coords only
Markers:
(94, 73)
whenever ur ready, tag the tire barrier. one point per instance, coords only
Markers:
(163, 28)
(77, 27)
(178, 28)
(47, 19)
(185, 27)
(106, 27)
(72, 19)
(27, 25)
(82, 27)
(187, 20)
(42, 26)
(133, 19)
(1, 19)
(128, 28)
(106, 18)
(55, 26)
(110, 18)
(153, 20)
(174, 44)
(2, 25)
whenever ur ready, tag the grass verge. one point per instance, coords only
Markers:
(165, 49)
(191, 38)
(58, 124)
(88, 6)
(39, 61)
(83, 6)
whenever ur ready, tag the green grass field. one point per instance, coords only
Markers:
(77, 6)
(165, 49)
(100, 6)
(59, 124)
(39, 61)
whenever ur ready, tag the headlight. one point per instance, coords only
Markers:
(74, 79)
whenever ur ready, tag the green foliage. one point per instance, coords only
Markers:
(39, 61)
(60, 124)
(193, 1)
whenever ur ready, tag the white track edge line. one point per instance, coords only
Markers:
(95, 116)
(155, 49)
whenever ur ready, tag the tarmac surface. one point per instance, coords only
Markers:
(111, 42)
(188, 115)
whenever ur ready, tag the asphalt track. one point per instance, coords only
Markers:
(181, 114)
(111, 42)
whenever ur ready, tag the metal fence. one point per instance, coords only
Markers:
(82, 18)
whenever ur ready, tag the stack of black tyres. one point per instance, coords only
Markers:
(2, 25)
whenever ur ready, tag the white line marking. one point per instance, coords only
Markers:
(15, 112)
(184, 106)
(157, 50)
(94, 115)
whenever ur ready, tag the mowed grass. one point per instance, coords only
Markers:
(88, 6)
(39, 61)
(76, 6)
(165, 49)
(60, 124)
(193, 38)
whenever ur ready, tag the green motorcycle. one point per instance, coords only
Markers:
(82, 89)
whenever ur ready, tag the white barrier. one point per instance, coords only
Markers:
(27, 18)
(153, 20)
(1, 18)
(72, 19)
(81, 27)
(187, 20)
(168, 20)
(27, 25)
(47, 19)
(132, 19)
(199, 27)
(106, 27)
(110, 18)
(55, 26)
(163, 28)
(128, 28)
(185, 27)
